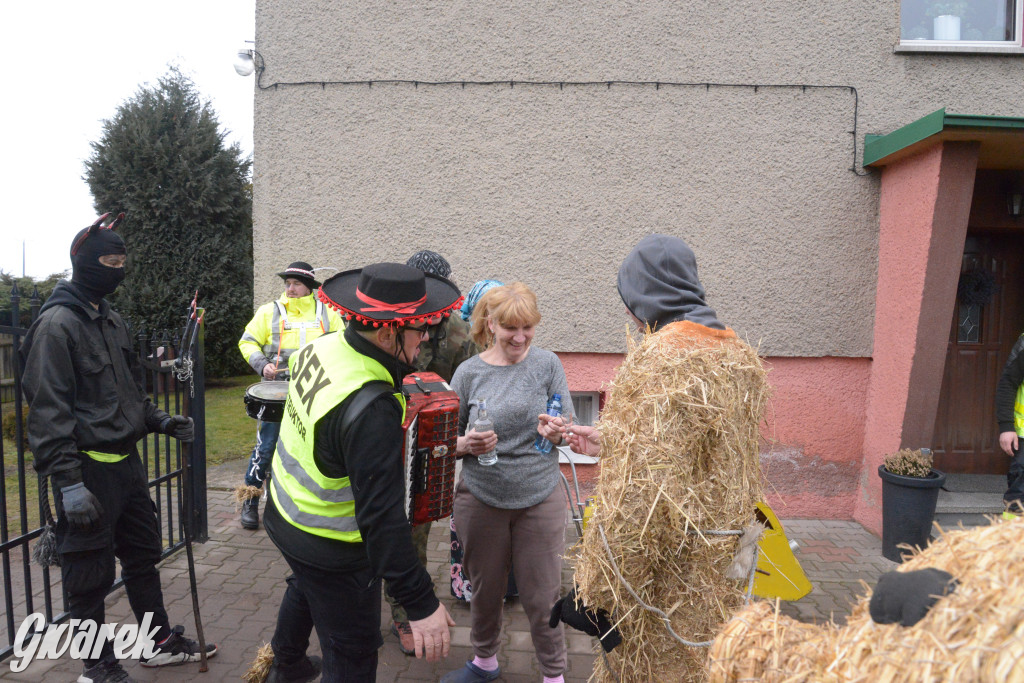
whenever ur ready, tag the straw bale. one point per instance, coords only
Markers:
(679, 454)
(974, 634)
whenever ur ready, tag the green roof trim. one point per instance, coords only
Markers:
(878, 147)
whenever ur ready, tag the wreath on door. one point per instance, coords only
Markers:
(976, 287)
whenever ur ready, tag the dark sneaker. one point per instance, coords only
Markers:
(251, 513)
(105, 672)
(406, 643)
(177, 649)
(470, 674)
(302, 671)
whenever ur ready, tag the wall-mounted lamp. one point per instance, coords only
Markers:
(244, 63)
(1015, 203)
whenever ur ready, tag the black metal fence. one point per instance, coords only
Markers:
(28, 588)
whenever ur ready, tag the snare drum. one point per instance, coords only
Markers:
(265, 400)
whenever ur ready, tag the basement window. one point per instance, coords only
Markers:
(586, 404)
(970, 26)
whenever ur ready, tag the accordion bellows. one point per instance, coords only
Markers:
(431, 428)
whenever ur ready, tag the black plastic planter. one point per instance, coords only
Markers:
(908, 508)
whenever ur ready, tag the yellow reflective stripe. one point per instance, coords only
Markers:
(340, 528)
(274, 345)
(106, 457)
(321, 315)
(341, 493)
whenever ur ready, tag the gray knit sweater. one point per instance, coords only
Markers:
(516, 395)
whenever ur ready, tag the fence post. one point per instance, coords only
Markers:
(197, 411)
(15, 305)
(34, 303)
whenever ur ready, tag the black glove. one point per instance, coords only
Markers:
(592, 622)
(906, 597)
(178, 426)
(81, 508)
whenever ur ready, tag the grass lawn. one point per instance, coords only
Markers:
(230, 435)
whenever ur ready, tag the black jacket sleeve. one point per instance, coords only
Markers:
(372, 459)
(48, 379)
(1006, 388)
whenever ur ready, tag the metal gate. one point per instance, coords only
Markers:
(28, 588)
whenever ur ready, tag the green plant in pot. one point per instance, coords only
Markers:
(910, 491)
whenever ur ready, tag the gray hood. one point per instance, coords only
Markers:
(658, 283)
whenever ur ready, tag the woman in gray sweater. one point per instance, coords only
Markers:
(510, 513)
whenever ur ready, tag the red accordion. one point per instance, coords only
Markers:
(431, 428)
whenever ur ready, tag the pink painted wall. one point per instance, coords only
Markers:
(589, 371)
(924, 206)
(812, 435)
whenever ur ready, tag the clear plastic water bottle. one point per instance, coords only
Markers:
(555, 410)
(483, 424)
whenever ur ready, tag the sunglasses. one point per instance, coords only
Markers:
(425, 328)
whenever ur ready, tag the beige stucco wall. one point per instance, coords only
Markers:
(553, 186)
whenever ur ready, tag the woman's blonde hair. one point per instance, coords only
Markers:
(510, 305)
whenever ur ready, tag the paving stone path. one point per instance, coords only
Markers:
(241, 574)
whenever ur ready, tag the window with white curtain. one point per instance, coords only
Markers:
(961, 26)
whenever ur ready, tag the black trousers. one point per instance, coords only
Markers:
(344, 607)
(1015, 478)
(128, 531)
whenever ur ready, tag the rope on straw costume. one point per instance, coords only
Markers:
(661, 615)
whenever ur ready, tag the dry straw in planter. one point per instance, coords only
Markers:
(909, 463)
(974, 634)
(679, 456)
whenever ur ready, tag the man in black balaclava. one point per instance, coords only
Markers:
(97, 262)
(87, 410)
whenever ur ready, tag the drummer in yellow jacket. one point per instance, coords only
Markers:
(279, 328)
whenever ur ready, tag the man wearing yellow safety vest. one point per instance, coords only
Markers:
(274, 333)
(1010, 417)
(87, 409)
(337, 494)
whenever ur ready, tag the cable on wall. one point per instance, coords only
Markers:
(658, 85)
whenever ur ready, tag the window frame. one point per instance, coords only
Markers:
(1003, 47)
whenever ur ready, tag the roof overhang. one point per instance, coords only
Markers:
(1001, 138)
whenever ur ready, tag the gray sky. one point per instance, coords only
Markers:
(68, 65)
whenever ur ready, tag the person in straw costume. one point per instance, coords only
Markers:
(952, 612)
(678, 441)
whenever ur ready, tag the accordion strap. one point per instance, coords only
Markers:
(365, 395)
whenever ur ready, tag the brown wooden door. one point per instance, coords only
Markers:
(980, 340)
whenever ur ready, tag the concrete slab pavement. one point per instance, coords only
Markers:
(241, 574)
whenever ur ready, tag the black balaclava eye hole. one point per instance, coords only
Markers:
(92, 277)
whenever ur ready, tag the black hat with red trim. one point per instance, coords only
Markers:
(385, 294)
(303, 272)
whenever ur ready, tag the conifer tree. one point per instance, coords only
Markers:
(187, 199)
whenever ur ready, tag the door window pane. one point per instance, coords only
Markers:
(968, 323)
